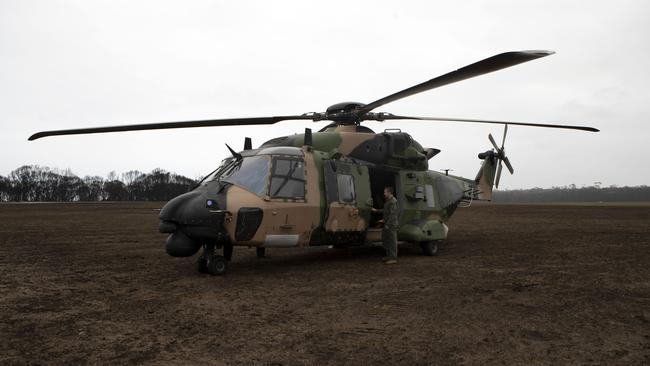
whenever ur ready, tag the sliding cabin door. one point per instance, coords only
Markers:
(347, 187)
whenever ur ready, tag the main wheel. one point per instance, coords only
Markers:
(430, 248)
(203, 264)
(217, 265)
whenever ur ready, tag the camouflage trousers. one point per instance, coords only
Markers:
(389, 238)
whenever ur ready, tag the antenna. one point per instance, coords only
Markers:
(235, 154)
(308, 137)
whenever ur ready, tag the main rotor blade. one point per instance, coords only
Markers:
(490, 64)
(382, 117)
(167, 125)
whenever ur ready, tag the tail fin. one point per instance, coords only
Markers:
(486, 175)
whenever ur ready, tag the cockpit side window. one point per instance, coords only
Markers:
(287, 178)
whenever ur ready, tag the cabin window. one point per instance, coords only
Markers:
(345, 185)
(287, 179)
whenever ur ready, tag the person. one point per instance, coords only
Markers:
(389, 232)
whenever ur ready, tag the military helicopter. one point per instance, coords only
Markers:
(319, 188)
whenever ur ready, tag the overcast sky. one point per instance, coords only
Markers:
(73, 64)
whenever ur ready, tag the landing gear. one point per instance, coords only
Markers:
(227, 252)
(217, 265)
(261, 252)
(203, 264)
(213, 264)
(430, 248)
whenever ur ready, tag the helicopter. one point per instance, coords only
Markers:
(319, 188)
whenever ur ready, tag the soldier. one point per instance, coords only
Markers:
(389, 233)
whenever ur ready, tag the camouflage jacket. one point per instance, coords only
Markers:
(390, 214)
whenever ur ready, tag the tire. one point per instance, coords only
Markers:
(203, 265)
(217, 265)
(430, 248)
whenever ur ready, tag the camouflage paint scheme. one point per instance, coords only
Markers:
(427, 199)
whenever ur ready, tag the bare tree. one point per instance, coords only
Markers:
(35, 183)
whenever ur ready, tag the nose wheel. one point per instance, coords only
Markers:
(217, 265)
(213, 264)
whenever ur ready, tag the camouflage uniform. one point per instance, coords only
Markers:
(389, 233)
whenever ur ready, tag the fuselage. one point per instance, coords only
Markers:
(287, 194)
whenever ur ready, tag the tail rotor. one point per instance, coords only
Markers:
(501, 156)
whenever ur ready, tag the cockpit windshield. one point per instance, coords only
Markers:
(250, 173)
(217, 172)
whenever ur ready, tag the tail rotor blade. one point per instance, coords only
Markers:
(508, 165)
(496, 183)
(494, 143)
(505, 132)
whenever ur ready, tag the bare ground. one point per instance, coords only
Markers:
(513, 284)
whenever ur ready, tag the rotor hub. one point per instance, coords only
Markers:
(345, 113)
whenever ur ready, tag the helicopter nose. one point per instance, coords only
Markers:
(192, 219)
(190, 209)
(179, 211)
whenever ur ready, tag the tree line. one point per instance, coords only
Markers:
(571, 193)
(33, 183)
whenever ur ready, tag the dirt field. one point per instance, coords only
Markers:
(513, 284)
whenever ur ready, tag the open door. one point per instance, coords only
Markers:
(347, 187)
(379, 179)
